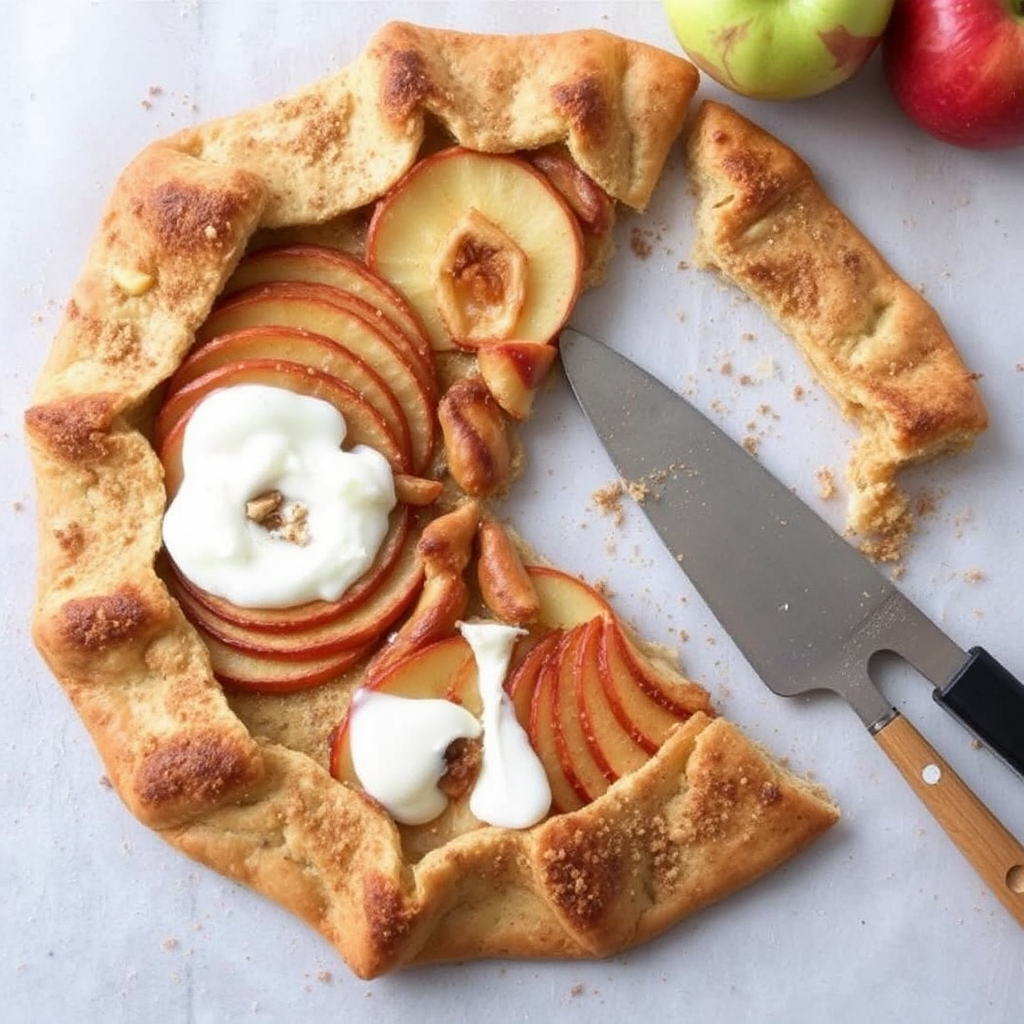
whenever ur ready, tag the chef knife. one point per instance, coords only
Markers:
(806, 609)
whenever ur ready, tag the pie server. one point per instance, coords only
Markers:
(806, 609)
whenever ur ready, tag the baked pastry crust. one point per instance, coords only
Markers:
(708, 813)
(881, 350)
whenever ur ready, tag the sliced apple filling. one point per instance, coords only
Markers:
(483, 246)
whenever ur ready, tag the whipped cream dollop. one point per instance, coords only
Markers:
(398, 744)
(246, 441)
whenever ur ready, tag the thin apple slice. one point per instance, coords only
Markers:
(679, 696)
(565, 600)
(482, 246)
(315, 613)
(320, 264)
(315, 308)
(425, 673)
(588, 773)
(612, 745)
(647, 721)
(241, 670)
(364, 425)
(342, 300)
(307, 349)
(513, 370)
(367, 621)
(521, 680)
(543, 737)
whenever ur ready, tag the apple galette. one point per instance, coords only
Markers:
(766, 224)
(272, 582)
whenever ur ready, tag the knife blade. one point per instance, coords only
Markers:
(806, 609)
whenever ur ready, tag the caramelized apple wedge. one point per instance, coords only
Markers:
(513, 370)
(482, 246)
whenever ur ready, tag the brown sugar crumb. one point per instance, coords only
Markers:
(751, 444)
(609, 501)
(603, 588)
(637, 490)
(577, 990)
(927, 503)
(642, 241)
(826, 483)
(974, 575)
(745, 380)
(726, 369)
(798, 393)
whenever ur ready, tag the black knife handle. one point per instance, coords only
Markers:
(990, 702)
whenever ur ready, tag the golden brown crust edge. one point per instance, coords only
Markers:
(708, 814)
(175, 226)
(882, 351)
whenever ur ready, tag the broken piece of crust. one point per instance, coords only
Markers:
(881, 350)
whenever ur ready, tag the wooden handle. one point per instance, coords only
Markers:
(978, 833)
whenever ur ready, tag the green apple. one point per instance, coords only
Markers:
(779, 49)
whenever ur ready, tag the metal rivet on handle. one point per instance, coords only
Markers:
(1015, 878)
(931, 773)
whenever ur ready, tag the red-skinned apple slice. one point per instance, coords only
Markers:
(364, 424)
(242, 671)
(315, 613)
(521, 681)
(357, 308)
(679, 696)
(543, 738)
(587, 775)
(513, 370)
(565, 600)
(646, 720)
(313, 308)
(367, 621)
(319, 264)
(613, 747)
(430, 672)
(483, 247)
(297, 346)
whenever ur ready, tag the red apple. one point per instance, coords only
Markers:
(584, 766)
(956, 67)
(513, 370)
